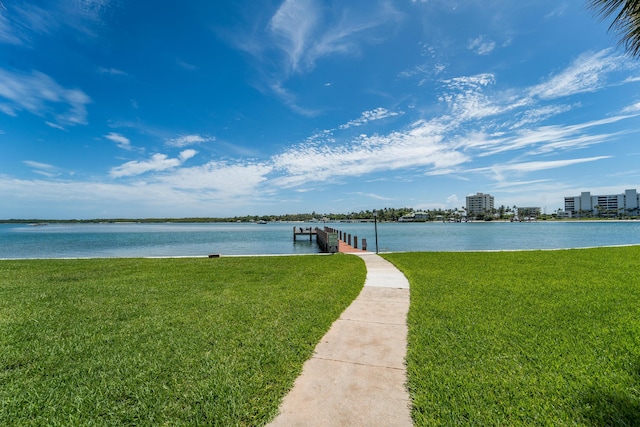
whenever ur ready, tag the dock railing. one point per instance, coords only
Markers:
(328, 238)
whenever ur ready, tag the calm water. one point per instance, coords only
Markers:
(155, 240)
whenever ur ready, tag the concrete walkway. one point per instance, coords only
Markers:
(357, 375)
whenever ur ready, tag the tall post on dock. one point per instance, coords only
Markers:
(375, 224)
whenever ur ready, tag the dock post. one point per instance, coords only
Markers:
(294, 234)
(355, 242)
(364, 244)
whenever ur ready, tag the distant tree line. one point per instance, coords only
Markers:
(383, 215)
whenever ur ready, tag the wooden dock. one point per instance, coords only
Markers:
(330, 240)
(305, 231)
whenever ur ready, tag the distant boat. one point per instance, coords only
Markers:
(38, 224)
(262, 222)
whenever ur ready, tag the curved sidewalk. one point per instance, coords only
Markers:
(357, 375)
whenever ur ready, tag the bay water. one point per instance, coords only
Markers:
(108, 240)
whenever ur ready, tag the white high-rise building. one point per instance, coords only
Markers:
(606, 205)
(479, 203)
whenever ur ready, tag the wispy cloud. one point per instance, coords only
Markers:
(54, 125)
(157, 163)
(111, 71)
(372, 196)
(44, 169)
(220, 179)
(587, 74)
(500, 169)
(369, 116)
(20, 22)
(302, 32)
(8, 35)
(186, 140)
(41, 95)
(293, 27)
(120, 140)
(632, 109)
(482, 45)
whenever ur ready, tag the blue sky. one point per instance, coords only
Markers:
(198, 108)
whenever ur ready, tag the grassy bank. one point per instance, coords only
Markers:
(162, 342)
(524, 338)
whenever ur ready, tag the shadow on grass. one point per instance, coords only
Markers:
(609, 407)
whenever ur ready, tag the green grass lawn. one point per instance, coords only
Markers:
(162, 342)
(543, 338)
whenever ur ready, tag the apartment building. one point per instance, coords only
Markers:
(612, 205)
(479, 203)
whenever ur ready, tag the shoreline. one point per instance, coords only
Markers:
(347, 252)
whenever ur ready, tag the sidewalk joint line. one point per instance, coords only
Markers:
(358, 363)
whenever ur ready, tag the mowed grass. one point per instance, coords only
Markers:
(162, 342)
(543, 338)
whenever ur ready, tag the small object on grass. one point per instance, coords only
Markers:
(215, 255)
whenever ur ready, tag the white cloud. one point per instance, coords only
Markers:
(633, 108)
(304, 33)
(499, 171)
(467, 101)
(481, 45)
(8, 34)
(26, 20)
(301, 32)
(120, 140)
(185, 140)
(39, 165)
(157, 163)
(112, 71)
(586, 74)
(44, 169)
(416, 147)
(54, 125)
(293, 25)
(368, 116)
(535, 115)
(187, 154)
(543, 165)
(233, 179)
(39, 94)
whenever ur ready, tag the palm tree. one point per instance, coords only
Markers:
(626, 22)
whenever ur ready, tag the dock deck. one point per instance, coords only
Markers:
(305, 231)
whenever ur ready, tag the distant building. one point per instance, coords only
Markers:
(528, 212)
(415, 217)
(479, 203)
(421, 216)
(610, 205)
